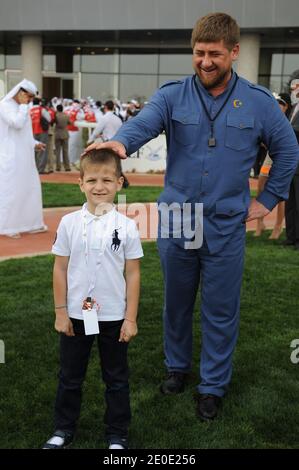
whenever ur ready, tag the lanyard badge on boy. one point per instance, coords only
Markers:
(90, 307)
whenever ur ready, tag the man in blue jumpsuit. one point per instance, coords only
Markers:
(214, 122)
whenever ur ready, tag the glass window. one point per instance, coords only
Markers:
(291, 63)
(264, 80)
(140, 87)
(276, 64)
(283, 65)
(105, 63)
(2, 61)
(176, 64)
(2, 85)
(98, 86)
(13, 62)
(49, 63)
(285, 86)
(275, 84)
(265, 62)
(139, 63)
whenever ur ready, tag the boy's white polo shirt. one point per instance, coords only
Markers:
(110, 253)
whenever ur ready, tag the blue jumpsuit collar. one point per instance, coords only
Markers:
(228, 88)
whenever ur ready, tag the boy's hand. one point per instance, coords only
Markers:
(128, 331)
(64, 325)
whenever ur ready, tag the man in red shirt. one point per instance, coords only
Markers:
(40, 115)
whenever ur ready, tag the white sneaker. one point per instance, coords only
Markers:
(116, 446)
(59, 440)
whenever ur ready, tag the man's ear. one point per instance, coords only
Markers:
(235, 51)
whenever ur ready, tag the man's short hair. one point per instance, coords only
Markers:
(99, 157)
(285, 99)
(215, 27)
(59, 108)
(110, 105)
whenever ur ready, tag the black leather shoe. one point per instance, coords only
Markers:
(207, 406)
(59, 440)
(174, 383)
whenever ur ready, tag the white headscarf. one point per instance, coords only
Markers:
(26, 84)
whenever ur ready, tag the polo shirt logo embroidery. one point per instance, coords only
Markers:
(115, 241)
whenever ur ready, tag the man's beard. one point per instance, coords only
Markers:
(218, 80)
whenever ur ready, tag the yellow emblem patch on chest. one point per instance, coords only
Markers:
(237, 103)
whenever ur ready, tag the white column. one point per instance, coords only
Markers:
(248, 61)
(32, 56)
(116, 73)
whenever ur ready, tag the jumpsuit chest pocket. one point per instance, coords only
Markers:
(185, 126)
(239, 131)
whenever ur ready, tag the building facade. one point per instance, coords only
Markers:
(126, 48)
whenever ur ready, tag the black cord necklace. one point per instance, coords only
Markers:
(212, 140)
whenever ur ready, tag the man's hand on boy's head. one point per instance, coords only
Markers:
(64, 325)
(117, 147)
(128, 331)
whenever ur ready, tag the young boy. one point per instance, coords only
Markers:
(93, 247)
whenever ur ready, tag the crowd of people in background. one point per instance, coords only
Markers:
(47, 135)
(55, 123)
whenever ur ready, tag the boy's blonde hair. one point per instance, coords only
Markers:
(215, 27)
(99, 157)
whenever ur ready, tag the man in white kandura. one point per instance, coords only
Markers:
(107, 126)
(20, 188)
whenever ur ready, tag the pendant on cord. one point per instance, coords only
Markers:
(212, 140)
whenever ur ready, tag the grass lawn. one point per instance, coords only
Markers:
(67, 195)
(261, 409)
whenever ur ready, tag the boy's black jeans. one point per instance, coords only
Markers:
(74, 356)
